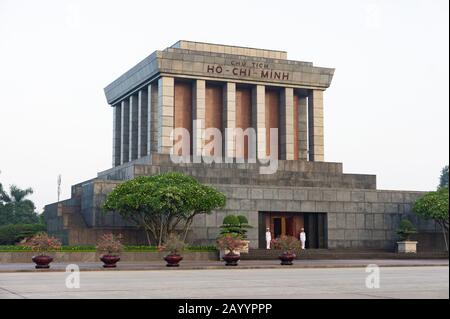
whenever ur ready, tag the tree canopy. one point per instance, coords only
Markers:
(434, 205)
(163, 204)
(15, 207)
(443, 179)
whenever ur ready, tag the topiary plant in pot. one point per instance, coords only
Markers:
(175, 246)
(232, 244)
(288, 245)
(43, 243)
(405, 230)
(110, 246)
(236, 226)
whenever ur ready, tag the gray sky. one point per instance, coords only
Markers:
(386, 112)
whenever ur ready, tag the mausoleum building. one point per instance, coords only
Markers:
(196, 86)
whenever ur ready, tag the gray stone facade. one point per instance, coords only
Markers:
(202, 62)
(357, 215)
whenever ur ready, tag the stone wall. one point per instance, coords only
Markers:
(358, 215)
(289, 173)
(355, 218)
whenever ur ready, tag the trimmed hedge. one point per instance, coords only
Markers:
(11, 234)
(91, 248)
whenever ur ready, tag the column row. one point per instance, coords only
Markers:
(133, 133)
(143, 122)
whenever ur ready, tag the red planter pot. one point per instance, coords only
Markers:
(42, 261)
(287, 258)
(173, 260)
(109, 261)
(231, 259)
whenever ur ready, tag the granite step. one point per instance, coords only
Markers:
(264, 254)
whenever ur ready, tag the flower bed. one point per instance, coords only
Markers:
(91, 248)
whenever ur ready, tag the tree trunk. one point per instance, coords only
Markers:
(445, 235)
(148, 238)
(160, 231)
(186, 228)
(148, 229)
(166, 230)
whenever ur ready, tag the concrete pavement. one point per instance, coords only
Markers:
(395, 282)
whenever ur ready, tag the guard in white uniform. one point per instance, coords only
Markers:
(303, 238)
(268, 238)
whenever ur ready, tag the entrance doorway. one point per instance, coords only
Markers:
(290, 224)
(277, 228)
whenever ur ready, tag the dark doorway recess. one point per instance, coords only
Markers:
(291, 223)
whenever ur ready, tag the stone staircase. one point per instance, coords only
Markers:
(263, 254)
(289, 173)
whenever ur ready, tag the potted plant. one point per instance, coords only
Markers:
(405, 230)
(110, 247)
(230, 244)
(236, 226)
(174, 245)
(288, 246)
(43, 243)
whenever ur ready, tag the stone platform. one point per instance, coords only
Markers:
(343, 254)
(243, 264)
(358, 215)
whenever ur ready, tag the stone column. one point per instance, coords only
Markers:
(302, 128)
(198, 113)
(125, 131)
(134, 112)
(259, 119)
(165, 113)
(229, 118)
(315, 119)
(143, 122)
(117, 122)
(287, 124)
(154, 118)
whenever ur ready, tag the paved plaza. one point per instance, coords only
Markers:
(301, 283)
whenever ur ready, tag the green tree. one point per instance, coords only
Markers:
(235, 226)
(163, 204)
(406, 229)
(12, 234)
(443, 179)
(434, 205)
(16, 208)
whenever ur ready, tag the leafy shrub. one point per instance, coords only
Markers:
(14, 248)
(174, 245)
(242, 220)
(110, 244)
(78, 248)
(231, 220)
(11, 234)
(42, 243)
(202, 248)
(287, 243)
(230, 242)
(406, 229)
(92, 248)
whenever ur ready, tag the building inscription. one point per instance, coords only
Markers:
(248, 69)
